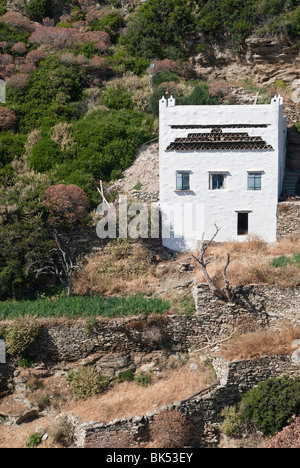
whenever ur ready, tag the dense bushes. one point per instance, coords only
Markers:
(106, 141)
(271, 405)
(22, 242)
(159, 29)
(50, 95)
(36, 9)
(268, 408)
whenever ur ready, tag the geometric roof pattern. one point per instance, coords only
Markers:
(216, 140)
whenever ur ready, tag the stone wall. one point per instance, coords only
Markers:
(203, 413)
(288, 220)
(257, 306)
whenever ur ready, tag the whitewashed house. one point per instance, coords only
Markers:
(223, 165)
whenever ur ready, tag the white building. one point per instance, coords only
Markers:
(223, 165)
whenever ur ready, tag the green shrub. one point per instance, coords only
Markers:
(126, 376)
(298, 126)
(20, 335)
(232, 421)
(163, 77)
(88, 50)
(87, 382)
(296, 259)
(34, 440)
(121, 61)
(11, 147)
(50, 95)
(271, 405)
(159, 28)
(36, 9)
(25, 362)
(280, 84)
(107, 140)
(143, 379)
(281, 261)
(137, 186)
(111, 23)
(117, 99)
(3, 9)
(45, 155)
(12, 35)
(200, 96)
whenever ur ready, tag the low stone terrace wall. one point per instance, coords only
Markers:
(203, 413)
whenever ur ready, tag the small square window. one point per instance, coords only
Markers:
(254, 181)
(182, 181)
(217, 181)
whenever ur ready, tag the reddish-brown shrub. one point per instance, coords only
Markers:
(3, 45)
(18, 81)
(68, 57)
(56, 37)
(35, 56)
(164, 65)
(27, 67)
(68, 37)
(288, 438)
(18, 48)
(169, 430)
(67, 204)
(48, 22)
(7, 119)
(6, 59)
(97, 63)
(17, 20)
(9, 70)
(220, 89)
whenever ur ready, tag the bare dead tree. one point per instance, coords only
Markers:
(59, 263)
(228, 292)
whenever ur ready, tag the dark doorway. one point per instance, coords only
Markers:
(243, 224)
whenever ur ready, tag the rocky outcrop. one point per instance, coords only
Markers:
(263, 60)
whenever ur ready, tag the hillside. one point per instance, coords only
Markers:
(83, 79)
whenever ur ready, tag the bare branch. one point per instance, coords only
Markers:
(59, 263)
(101, 191)
(227, 285)
(227, 292)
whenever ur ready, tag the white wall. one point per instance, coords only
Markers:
(202, 207)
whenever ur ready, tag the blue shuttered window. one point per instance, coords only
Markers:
(182, 181)
(254, 181)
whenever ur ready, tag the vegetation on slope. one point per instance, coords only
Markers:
(79, 104)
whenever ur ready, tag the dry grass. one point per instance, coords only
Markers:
(261, 343)
(128, 399)
(251, 260)
(127, 268)
(122, 268)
